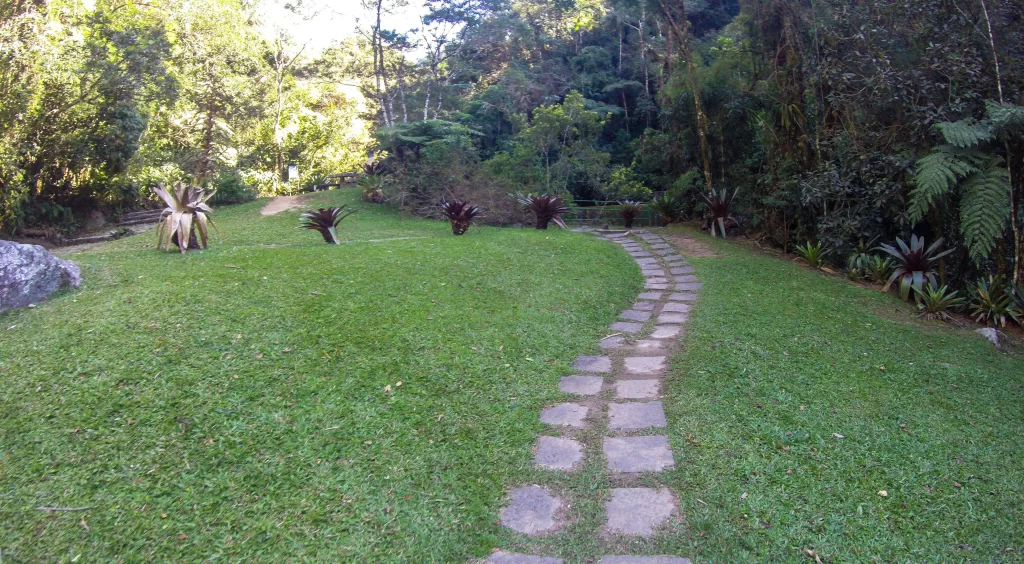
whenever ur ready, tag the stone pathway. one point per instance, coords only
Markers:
(619, 394)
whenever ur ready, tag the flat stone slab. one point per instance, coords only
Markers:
(661, 246)
(582, 385)
(613, 342)
(644, 306)
(637, 389)
(569, 414)
(531, 510)
(653, 272)
(640, 254)
(674, 258)
(677, 307)
(682, 270)
(689, 286)
(643, 560)
(651, 260)
(638, 511)
(666, 331)
(672, 317)
(687, 278)
(683, 296)
(557, 453)
(652, 286)
(593, 364)
(636, 415)
(638, 454)
(660, 251)
(650, 295)
(657, 280)
(635, 315)
(626, 327)
(644, 364)
(646, 345)
(502, 557)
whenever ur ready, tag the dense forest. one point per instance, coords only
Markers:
(844, 123)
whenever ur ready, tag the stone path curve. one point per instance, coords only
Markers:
(620, 393)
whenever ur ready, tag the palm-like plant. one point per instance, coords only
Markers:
(460, 213)
(993, 301)
(325, 221)
(374, 168)
(934, 302)
(371, 189)
(914, 264)
(878, 269)
(186, 214)
(857, 264)
(813, 255)
(668, 208)
(545, 208)
(719, 202)
(630, 210)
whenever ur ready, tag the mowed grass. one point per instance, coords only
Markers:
(275, 397)
(800, 397)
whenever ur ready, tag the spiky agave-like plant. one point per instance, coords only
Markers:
(630, 210)
(185, 215)
(668, 208)
(914, 264)
(813, 255)
(460, 213)
(325, 221)
(933, 303)
(545, 208)
(993, 301)
(719, 202)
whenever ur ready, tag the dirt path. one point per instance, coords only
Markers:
(282, 203)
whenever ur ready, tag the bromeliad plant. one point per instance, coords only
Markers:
(186, 215)
(993, 301)
(371, 189)
(719, 202)
(545, 208)
(934, 302)
(813, 255)
(669, 208)
(915, 264)
(460, 213)
(878, 269)
(630, 210)
(857, 264)
(325, 221)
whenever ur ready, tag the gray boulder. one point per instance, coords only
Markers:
(994, 336)
(29, 273)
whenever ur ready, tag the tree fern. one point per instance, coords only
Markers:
(1006, 118)
(936, 175)
(966, 133)
(985, 208)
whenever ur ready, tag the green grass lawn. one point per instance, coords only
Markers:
(276, 397)
(809, 395)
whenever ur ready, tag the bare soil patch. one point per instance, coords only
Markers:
(283, 203)
(689, 246)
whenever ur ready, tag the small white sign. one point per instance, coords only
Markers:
(293, 172)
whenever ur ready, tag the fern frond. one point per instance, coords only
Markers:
(1005, 116)
(936, 174)
(985, 208)
(966, 133)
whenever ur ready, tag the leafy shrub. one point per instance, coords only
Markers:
(934, 302)
(669, 208)
(186, 214)
(545, 208)
(992, 302)
(374, 167)
(813, 255)
(371, 189)
(857, 263)
(878, 269)
(460, 213)
(914, 264)
(230, 188)
(624, 185)
(325, 221)
(630, 210)
(719, 202)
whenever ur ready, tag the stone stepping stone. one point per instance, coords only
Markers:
(636, 415)
(662, 251)
(653, 286)
(581, 385)
(676, 307)
(674, 258)
(638, 511)
(666, 331)
(687, 278)
(502, 557)
(626, 327)
(653, 272)
(672, 317)
(664, 246)
(641, 254)
(569, 414)
(643, 560)
(635, 315)
(647, 261)
(637, 389)
(557, 453)
(649, 345)
(613, 342)
(644, 306)
(650, 296)
(593, 364)
(638, 454)
(531, 511)
(644, 364)
(682, 270)
(689, 286)
(657, 280)
(683, 296)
